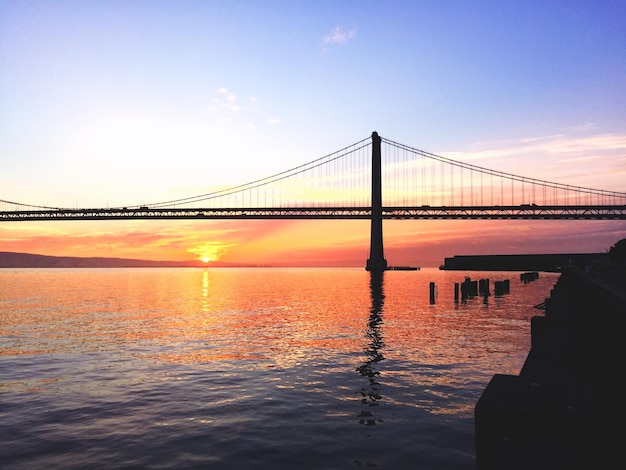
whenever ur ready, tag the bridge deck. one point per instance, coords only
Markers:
(594, 212)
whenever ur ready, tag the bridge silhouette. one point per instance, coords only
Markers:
(373, 179)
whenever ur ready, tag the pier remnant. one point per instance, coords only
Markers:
(501, 287)
(483, 287)
(529, 276)
(469, 288)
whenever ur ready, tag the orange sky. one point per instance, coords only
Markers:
(307, 242)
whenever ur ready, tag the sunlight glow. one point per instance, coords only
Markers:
(209, 251)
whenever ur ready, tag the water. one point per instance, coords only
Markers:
(250, 368)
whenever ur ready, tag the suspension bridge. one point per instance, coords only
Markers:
(373, 179)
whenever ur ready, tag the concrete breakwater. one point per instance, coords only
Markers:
(565, 409)
(536, 262)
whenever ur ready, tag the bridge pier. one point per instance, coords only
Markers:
(376, 261)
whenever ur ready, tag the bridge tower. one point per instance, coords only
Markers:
(376, 261)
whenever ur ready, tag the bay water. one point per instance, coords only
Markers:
(251, 368)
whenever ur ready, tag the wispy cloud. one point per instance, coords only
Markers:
(339, 36)
(229, 107)
(225, 100)
(586, 160)
(588, 126)
(557, 144)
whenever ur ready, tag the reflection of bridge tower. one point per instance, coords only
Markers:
(376, 261)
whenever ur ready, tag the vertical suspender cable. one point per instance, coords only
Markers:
(452, 169)
(442, 169)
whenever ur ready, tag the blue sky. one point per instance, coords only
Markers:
(128, 102)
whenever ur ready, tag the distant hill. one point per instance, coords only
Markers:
(27, 260)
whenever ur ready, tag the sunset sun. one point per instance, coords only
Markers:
(210, 251)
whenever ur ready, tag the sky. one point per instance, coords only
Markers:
(117, 103)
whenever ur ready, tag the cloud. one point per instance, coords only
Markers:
(225, 100)
(588, 126)
(227, 107)
(557, 144)
(593, 161)
(338, 36)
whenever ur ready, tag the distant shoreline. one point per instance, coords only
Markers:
(29, 260)
(535, 262)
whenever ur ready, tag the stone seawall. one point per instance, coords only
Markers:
(565, 409)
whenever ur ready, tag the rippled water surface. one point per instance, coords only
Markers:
(251, 368)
